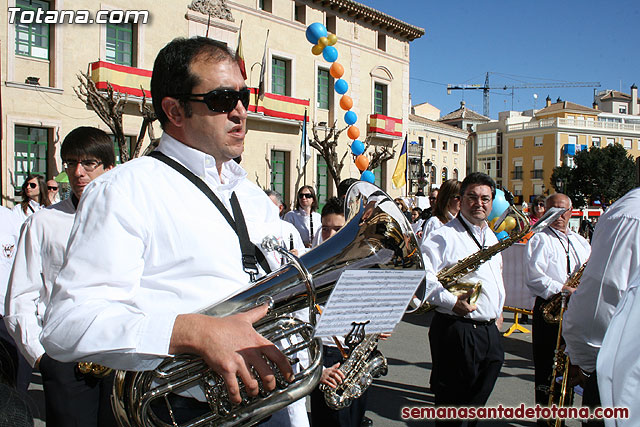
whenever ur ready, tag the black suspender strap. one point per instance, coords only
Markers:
(311, 227)
(251, 255)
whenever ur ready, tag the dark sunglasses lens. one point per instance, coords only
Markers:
(306, 196)
(52, 188)
(32, 185)
(225, 101)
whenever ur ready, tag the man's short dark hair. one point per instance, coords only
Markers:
(88, 142)
(172, 74)
(344, 185)
(333, 206)
(478, 178)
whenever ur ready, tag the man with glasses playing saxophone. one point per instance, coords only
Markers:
(465, 343)
(551, 257)
(150, 248)
(71, 397)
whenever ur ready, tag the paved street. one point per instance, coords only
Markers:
(409, 368)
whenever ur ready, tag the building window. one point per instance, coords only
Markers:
(622, 109)
(627, 143)
(32, 39)
(517, 170)
(432, 175)
(382, 42)
(455, 147)
(421, 142)
(518, 143)
(300, 13)
(324, 90)
(537, 172)
(279, 172)
(445, 174)
(331, 24)
(380, 99)
(120, 44)
(280, 76)
(129, 140)
(323, 181)
(455, 174)
(595, 141)
(538, 141)
(31, 144)
(445, 145)
(611, 141)
(265, 5)
(433, 144)
(573, 139)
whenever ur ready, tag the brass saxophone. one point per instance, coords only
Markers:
(551, 308)
(450, 277)
(564, 394)
(93, 369)
(375, 236)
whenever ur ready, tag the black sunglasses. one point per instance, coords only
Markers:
(305, 196)
(221, 100)
(32, 185)
(52, 188)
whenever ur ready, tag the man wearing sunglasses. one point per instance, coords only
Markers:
(71, 398)
(167, 250)
(53, 191)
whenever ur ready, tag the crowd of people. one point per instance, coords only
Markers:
(118, 273)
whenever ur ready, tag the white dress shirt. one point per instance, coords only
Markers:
(434, 223)
(618, 362)
(39, 257)
(545, 260)
(9, 231)
(614, 263)
(146, 246)
(302, 221)
(451, 243)
(31, 209)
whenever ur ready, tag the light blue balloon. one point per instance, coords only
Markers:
(315, 31)
(368, 176)
(350, 117)
(357, 147)
(341, 86)
(502, 235)
(500, 204)
(330, 54)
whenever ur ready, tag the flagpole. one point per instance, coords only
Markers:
(406, 167)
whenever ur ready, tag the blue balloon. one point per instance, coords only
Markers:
(500, 204)
(315, 31)
(502, 235)
(368, 176)
(330, 54)
(357, 147)
(350, 117)
(341, 86)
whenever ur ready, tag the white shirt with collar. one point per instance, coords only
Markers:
(9, 232)
(434, 223)
(32, 208)
(146, 246)
(302, 221)
(39, 258)
(451, 243)
(614, 264)
(545, 260)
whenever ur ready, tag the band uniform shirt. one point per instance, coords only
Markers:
(146, 246)
(302, 222)
(39, 258)
(9, 231)
(434, 223)
(451, 243)
(545, 260)
(31, 209)
(614, 263)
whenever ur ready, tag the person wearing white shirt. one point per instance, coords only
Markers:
(465, 342)
(34, 197)
(551, 256)
(71, 398)
(614, 264)
(165, 250)
(444, 208)
(304, 217)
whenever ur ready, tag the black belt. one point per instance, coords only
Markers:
(467, 320)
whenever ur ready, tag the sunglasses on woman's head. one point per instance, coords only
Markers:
(221, 100)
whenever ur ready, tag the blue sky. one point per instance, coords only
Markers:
(521, 42)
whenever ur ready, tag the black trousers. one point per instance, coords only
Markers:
(467, 358)
(14, 368)
(591, 398)
(544, 338)
(322, 415)
(73, 399)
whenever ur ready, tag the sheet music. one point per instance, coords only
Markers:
(378, 296)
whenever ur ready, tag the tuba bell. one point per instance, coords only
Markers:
(376, 236)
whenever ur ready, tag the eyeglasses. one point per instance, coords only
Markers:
(432, 198)
(540, 205)
(32, 185)
(87, 165)
(305, 196)
(478, 199)
(221, 100)
(52, 188)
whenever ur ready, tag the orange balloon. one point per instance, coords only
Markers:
(336, 70)
(362, 162)
(317, 49)
(353, 132)
(346, 102)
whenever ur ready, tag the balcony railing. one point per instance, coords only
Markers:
(576, 124)
(385, 126)
(517, 174)
(537, 174)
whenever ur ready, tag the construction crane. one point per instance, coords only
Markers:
(486, 88)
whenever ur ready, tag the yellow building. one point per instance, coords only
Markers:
(40, 62)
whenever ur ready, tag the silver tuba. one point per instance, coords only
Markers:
(376, 236)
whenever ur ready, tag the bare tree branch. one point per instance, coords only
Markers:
(327, 147)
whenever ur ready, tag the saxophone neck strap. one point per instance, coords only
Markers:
(251, 255)
(469, 232)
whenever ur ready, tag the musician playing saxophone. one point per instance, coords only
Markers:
(551, 256)
(465, 342)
